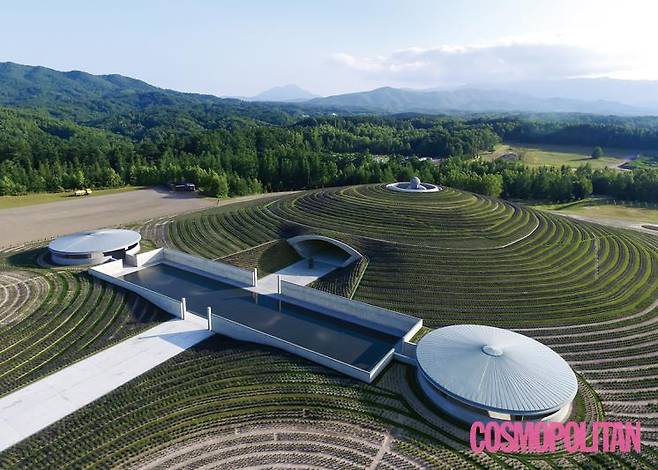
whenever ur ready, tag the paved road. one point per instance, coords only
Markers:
(43, 221)
(620, 166)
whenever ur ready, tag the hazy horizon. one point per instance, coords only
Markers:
(238, 48)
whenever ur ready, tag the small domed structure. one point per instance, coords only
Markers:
(413, 186)
(94, 247)
(480, 373)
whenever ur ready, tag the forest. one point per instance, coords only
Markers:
(235, 154)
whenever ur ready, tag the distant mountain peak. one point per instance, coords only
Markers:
(290, 92)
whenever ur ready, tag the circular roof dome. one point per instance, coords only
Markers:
(95, 241)
(496, 369)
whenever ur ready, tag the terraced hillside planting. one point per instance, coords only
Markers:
(588, 291)
(268, 257)
(521, 268)
(233, 404)
(447, 219)
(343, 281)
(50, 318)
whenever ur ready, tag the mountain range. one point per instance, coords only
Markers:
(84, 97)
(579, 96)
(89, 99)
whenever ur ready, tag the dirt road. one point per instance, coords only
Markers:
(44, 221)
(628, 159)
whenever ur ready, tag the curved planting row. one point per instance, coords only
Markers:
(343, 281)
(52, 318)
(583, 289)
(618, 359)
(448, 218)
(558, 272)
(586, 290)
(237, 405)
(20, 294)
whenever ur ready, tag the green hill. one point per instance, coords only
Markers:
(452, 257)
(84, 97)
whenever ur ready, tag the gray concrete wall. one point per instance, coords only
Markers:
(113, 268)
(241, 332)
(162, 301)
(406, 352)
(376, 318)
(147, 257)
(219, 270)
(213, 269)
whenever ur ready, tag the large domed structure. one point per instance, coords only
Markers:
(94, 247)
(479, 372)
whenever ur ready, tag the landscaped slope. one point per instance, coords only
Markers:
(547, 279)
(587, 291)
(51, 318)
(454, 256)
(237, 405)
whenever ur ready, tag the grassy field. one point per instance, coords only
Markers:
(535, 155)
(605, 209)
(644, 161)
(587, 291)
(7, 202)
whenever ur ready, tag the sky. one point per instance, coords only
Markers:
(241, 48)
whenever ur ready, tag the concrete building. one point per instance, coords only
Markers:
(94, 247)
(482, 373)
(413, 186)
(354, 338)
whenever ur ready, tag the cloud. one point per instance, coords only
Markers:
(451, 65)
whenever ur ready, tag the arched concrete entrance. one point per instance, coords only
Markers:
(324, 249)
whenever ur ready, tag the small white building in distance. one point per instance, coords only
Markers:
(482, 373)
(94, 247)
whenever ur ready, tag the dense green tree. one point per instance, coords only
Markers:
(237, 156)
(597, 152)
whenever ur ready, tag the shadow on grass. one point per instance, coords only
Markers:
(28, 258)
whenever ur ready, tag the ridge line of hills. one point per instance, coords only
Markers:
(84, 97)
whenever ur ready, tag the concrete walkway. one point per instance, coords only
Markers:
(42, 403)
(298, 273)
